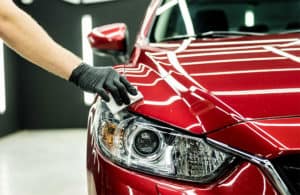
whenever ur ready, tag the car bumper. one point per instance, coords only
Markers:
(104, 177)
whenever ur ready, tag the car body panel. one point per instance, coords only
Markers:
(267, 138)
(106, 178)
(218, 82)
(241, 91)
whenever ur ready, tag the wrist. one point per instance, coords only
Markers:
(78, 72)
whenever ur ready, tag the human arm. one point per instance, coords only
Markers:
(21, 33)
(24, 35)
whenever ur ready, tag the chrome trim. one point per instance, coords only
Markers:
(264, 164)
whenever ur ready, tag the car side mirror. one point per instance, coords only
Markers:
(111, 40)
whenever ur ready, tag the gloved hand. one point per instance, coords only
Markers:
(102, 80)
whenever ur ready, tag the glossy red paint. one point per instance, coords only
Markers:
(110, 37)
(229, 80)
(105, 178)
(240, 91)
(267, 138)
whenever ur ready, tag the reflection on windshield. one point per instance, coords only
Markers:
(187, 18)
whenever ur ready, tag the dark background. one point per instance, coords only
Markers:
(39, 100)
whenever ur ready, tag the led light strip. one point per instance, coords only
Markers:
(87, 52)
(27, 2)
(2, 80)
(249, 18)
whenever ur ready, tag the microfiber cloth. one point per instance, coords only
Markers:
(114, 108)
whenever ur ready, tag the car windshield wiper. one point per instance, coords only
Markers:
(229, 33)
(290, 31)
(212, 34)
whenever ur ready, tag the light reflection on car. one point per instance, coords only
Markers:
(220, 113)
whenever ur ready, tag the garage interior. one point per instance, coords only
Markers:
(42, 117)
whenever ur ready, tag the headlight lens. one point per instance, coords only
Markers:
(136, 143)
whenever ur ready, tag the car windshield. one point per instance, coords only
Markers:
(177, 19)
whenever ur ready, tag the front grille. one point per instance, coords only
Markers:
(288, 168)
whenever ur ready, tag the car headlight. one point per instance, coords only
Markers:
(136, 143)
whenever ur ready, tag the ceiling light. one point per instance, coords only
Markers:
(249, 18)
(2, 80)
(27, 2)
(87, 52)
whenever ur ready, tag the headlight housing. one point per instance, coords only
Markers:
(136, 143)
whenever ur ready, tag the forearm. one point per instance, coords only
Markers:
(27, 38)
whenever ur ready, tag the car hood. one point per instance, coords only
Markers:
(204, 85)
(272, 137)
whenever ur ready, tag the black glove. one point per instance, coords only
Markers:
(102, 80)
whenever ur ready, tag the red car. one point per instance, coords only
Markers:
(221, 107)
